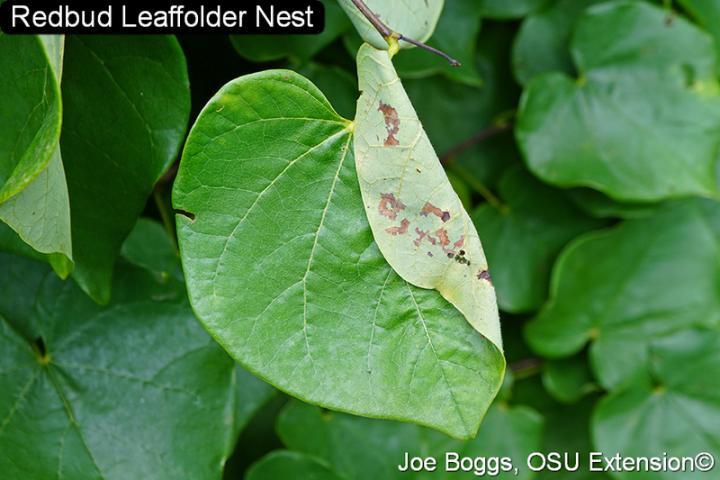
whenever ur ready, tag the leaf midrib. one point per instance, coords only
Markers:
(315, 243)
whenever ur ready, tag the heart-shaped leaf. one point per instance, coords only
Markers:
(133, 390)
(350, 445)
(624, 287)
(678, 415)
(417, 23)
(642, 122)
(418, 221)
(126, 105)
(524, 236)
(283, 271)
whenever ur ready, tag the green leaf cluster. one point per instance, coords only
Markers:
(79, 169)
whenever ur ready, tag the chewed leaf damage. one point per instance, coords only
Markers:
(392, 124)
(389, 206)
(429, 208)
(401, 230)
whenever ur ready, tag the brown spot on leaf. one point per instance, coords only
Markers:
(392, 124)
(429, 254)
(443, 237)
(423, 235)
(402, 229)
(429, 208)
(390, 206)
(484, 275)
(460, 243)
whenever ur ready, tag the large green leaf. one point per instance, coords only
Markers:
(642, 122)
(416, 21)
(542, 42)
(133, 390)
(359, 448)
(417, 219)
(30, 111)
(283, 271)
(300, 48)
(126, 105)
(678, 415)
(524, 236)
(622, 288)
(40, 214)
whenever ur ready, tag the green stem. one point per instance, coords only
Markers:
(166, 218)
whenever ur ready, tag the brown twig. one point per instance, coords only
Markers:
(479, 137)
(169, 176)
(388, 34)
(373, 19)
(526, 367)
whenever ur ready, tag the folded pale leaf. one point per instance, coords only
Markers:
(416, 217)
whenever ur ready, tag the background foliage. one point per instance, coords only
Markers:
(582, 136)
